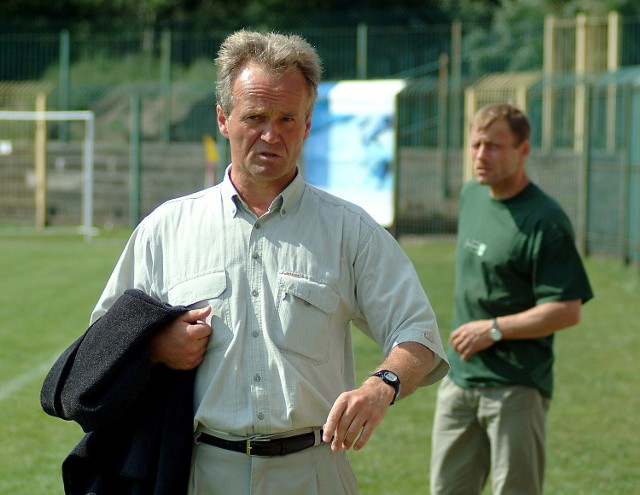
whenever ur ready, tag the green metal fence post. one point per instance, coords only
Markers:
(362, 50)
(456, 82)
(585, 174)
(626, 179)
(443, 91)
(166, 83)
(134, 159)
(64, 80)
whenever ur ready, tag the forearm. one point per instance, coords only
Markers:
(540, 321)
(412, 362)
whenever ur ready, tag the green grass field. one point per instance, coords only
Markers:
(50, 283)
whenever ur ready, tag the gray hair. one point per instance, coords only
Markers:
(274, 52)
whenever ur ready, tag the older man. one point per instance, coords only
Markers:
(275, 272)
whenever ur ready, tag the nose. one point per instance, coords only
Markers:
(480, 151)
(270, 133)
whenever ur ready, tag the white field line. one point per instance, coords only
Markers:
(12, 387)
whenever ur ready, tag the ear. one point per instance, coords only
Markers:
(222, 122)
(307, 128)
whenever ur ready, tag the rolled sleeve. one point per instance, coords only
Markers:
(394, 304)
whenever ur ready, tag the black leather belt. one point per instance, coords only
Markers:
(263, 447)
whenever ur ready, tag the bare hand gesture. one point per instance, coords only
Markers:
(356, 413)
(471, 337)
(182, 344)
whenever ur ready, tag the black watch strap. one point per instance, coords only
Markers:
(390, 378)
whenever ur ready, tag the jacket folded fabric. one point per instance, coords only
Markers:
(137, 418)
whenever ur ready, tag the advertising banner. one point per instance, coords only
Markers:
(350, 150)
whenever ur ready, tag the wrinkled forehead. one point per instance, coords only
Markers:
(258, 82)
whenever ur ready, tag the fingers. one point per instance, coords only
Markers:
(196, 315)
(183, 343)
(198, 327)
(329, 429)
(352, 420)
(365, 435)
(356, 435)
(463, 345)
(470, 338)
(345, 430)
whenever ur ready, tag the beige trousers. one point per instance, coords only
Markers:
(497, 430)
(314, 471)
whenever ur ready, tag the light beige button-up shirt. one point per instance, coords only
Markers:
(284, 289)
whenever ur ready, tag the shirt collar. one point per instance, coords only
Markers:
(283, 203)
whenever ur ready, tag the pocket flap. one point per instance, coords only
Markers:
(207, 286)
(319, 294)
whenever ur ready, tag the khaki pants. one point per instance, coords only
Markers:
(314, 471)
(499, 430)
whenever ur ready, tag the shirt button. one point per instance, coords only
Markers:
(255, 334)
(255, 255)
(254, 293)
(260, 416)
(256, 378)
(257, 225)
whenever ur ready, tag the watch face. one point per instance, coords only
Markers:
(392, 377)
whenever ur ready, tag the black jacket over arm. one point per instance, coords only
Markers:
(138, 418)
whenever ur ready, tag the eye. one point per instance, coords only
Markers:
(486, 146)
(253, 119)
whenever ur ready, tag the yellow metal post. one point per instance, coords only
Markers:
(613, 63)
(470, 104)
(549, 70)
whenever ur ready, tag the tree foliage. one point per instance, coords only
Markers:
(269, 13)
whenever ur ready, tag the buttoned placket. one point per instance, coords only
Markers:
(258, 351)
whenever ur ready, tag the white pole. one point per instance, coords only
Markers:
(87, 158)
(88, 180)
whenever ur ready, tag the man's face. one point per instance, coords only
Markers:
(267, 126)
(497, 160)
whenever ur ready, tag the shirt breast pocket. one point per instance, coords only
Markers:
(208, 289)
(306, 309)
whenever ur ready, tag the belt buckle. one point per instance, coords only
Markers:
(257, 441)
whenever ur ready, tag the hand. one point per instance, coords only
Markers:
(471, 337)
(182, 344)
(356, 413)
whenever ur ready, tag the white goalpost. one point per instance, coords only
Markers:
(87, 154)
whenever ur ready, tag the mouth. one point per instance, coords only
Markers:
(268, 155)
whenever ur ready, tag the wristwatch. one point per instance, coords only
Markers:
(390, 378)
(495, 333)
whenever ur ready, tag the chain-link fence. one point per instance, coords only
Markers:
(585, 118)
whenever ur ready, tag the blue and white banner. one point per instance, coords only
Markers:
(350, 150)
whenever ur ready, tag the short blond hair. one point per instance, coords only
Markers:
(516, 119)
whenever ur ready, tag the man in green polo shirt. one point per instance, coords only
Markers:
(519, 279)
